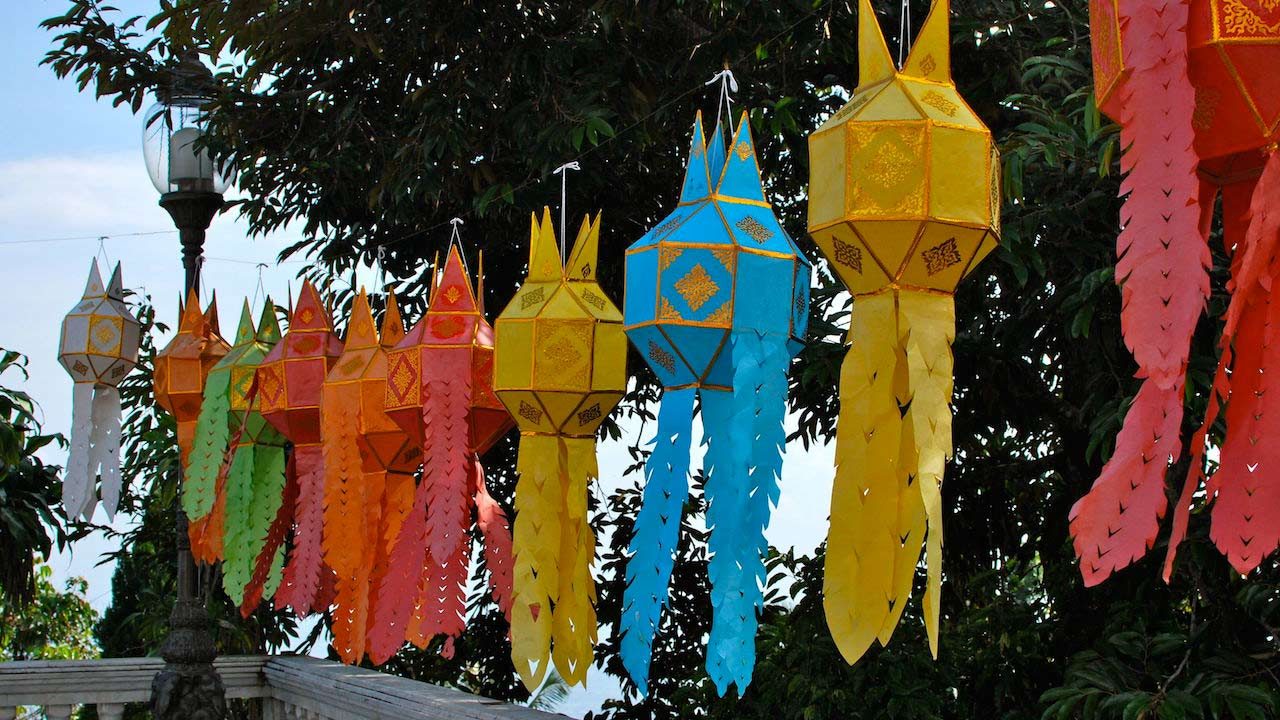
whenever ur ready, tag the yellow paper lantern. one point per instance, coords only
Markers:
(560, 368)
(904, 200)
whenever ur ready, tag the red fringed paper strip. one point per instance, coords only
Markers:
(302, 572)
(496, 528)
(1163, 269)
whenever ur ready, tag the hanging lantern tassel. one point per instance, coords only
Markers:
(901, 242)
(717, 301)
(98, 348)
(368, 464)
(235, 475)
(439, 391)
(561, 369)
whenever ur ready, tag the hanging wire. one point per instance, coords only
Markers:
(563, 172)
(904, 27)
(102, 252)
(455, 238)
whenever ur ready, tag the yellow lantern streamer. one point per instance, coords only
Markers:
(560, 368)
(904, 202)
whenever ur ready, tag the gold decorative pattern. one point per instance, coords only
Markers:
(798, 303)
(593, 299)
(939, 103)
(351, 365)
(667, 255)
(562, 354)
(723, 315)
(531, 298)
(853, 106)
(668, 227)
(1207, 99)
(241, 379)
(446, 327)
(588, 415)
(885, 164)
(402, 388)
(529, 412)
(941, 256)
(996, 198)
(306, 316)
(697, 287)
(848, 255)
(270, 386)
(104, 338)
(744, 150)
(928, 65)
(726, 256)
(586, 270)
(752, 227)
(661, 357)
(1252, 19)
(452, 293)
(667, 311)
(80, 367)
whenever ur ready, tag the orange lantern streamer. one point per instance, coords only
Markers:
(368, 472)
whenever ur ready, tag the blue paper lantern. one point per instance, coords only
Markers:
(717, 301)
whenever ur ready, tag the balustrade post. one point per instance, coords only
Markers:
(59, 712)
(110, 711)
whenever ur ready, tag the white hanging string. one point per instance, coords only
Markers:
(261, 287)
(455, 238)
(904, 26)
(382, 270)
(728, 85)
(102, 253)
(563, 172)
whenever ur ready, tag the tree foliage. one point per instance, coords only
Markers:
(52, 625)
(369, 124)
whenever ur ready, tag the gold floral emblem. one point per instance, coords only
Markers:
(744, 150)
(80, 367)
(529, 412)
(452, 293)
(667, 311)
(723, 315)
(941, 256)
(667, 255)
(533, 297)
(402, 387)
(593, 299)
(848, 255)
(105, 337)
(928, 65)
(697, 287)
(1256, 19)
(591, 413)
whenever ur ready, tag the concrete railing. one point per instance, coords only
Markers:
(285, 686)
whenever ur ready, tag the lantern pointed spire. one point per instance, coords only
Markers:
(741, 175)
(586, 250)
(192, 319)
(392, 323)
(310, 312)
(93, 288)
(115, 286)
(715, 153)
(211, 315)
(697, 178)
(268, 324)
(545, 263)
(361, 331)
(930, 57)
(875, 65)
(454, 291)
(246, 331)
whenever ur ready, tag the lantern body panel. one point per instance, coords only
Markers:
(292, 374)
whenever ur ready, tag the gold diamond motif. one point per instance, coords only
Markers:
(722, 316)
(105, 337)
(697, 287)
(667, 255)
(667, 311)
(80, 367)
(744, 150)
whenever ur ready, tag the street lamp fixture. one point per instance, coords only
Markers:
(191, 184)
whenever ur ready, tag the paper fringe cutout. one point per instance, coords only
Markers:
(1162, 266)
(438, 390)
(703, 333)
(1245, 522)
(656, 539)
(98, 348)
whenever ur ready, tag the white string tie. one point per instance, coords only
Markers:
(562, 171)
(728, 85)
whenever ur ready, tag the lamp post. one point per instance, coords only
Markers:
(191, 186)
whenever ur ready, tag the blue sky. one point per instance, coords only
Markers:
(71, 166)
